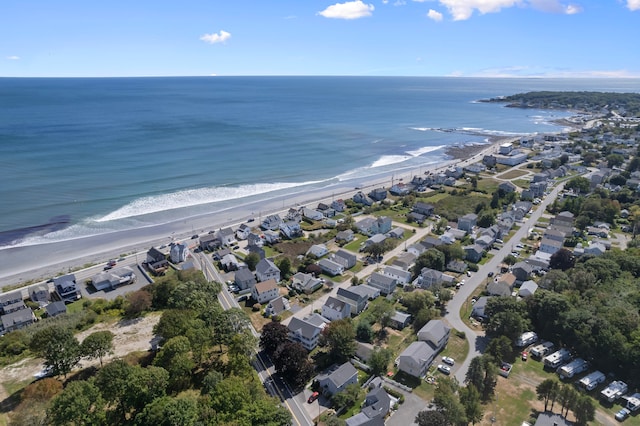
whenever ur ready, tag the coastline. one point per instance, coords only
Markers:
(16, 264)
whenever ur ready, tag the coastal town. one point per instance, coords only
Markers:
(502, 290)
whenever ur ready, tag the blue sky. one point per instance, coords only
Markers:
(491, 38)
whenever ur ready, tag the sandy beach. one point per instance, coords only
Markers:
(29, 264)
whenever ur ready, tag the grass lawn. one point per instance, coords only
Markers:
(454, 206)
(433, 198)
(354, 245)
(397, 214)
(522, 183)
(513, 173)
(457, 348)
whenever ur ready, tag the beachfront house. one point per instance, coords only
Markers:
(361, 198)
(226, 236)
(179, 253)
(378, 194)
(109, 280)
(66, 288)
(39, 293)
(243, 231)
(271, 222)
(338, 205)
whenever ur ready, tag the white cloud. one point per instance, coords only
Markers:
(633, 4)
(13, 58)
(463, 9)
(435, 15)
(572, 9)
(349, 10)
(214, 38)
(399, 3)
(554, 6)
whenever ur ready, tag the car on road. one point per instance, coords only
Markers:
(622, 414)
(468, 273)
(194, 236)
(313, 397)
(112, 262)
(445, 369)
(490, 274)
(236, 247)
(251, 219)
(106, 268)
(448, 360)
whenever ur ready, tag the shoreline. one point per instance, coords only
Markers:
(16, 265)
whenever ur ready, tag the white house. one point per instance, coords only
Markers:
(384, 283)
(399, 274)
(416, 359)
(331, 267)
(226, 236)
(179, 253)
(307, 331)
(243, 231)
(335, 309)
(265, 291)
(436, 333)
(318, 250)
(266, 270)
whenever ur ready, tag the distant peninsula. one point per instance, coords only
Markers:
(624, 104)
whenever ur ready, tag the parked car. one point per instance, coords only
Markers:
(112, 262)
(313, 397)
(445, 369)
(524, 356)
(448, 360)
(194, 236)
(490, 274)
(251, 219)
(622, 414)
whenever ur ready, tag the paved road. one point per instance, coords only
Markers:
(478, 343)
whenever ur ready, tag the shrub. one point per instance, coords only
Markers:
(256, 307)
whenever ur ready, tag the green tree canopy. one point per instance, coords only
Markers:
(273, 335)
(340, 337)
(59, 348)
(97, 345)
(79, 404)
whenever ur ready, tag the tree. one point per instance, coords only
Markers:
(137, 302)
(584, 409)
(273, 335)
(483, 375)
(507, 317)
(470, 399)
(510, 259)
(379, 360)
(431, 418)
(347, 397)
(174, 322)
(292, 362)
(340, 336)
(432, 259)
(79, 404)
(167, 411)
(97, 345)
(499, 347)
(175, 357)
(59, 348)
(614, 160)
(423, 316)
(41, 390)
(452, 251)
(579, 184)
(252, 260)
(546, 391)
(364, 332)
(447, 401)
(285, 268)
(445, 295)
(486, 218)
(417, 300)
(562, 259)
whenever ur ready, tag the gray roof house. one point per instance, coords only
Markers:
(306, 331)
(423, 208)
(306, 282)
(436, 333)
(56, 308)
(336, 309)
(277, 306)
(244, 279)
(522, 271)
(528, 288)
(400, 320)
(404, 260)
(416, 359)
(39, 293)
(339, 379)
(358, 302)
(378, 194)
(17, 319)
(318, 250)
(384, 283)
(345, 236)
(479, 307)
(271, 222)
(396, 232)
(377, 403)
(467, 222)
(266, 270)
(109, 280)
(346, 259)
(330, 267)
(361, 198)
(474, 253)
(402, 276)
(66, 288)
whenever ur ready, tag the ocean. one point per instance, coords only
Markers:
(82, 157)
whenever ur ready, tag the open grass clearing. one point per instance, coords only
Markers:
(513, 174)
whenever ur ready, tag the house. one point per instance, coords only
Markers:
(371, 226)
(436, 333)
(277, 306)
(400, 275)
(485, 241)
(306, 331)
(375, 239)
(265, 291)
(396, 233)
(505, 148)
(336, 309)
(377, 404)
(366, 291)
(208, 242)
(430, 277)
(291, 229)
(384, 283)
(416, 217)
(522, 271)
(229, 262)
(528, 288)
(16, 320)
(404, 260)
(330, 267)
(11, 302)
(507, 187)
(226, 236)
(416, 359)
(271, 223)
(344, 236)
(378, 194)
(357, 301)
(503, 286)
(457, 266)
(513, 159)
(318, 250)
(423, 209)
(56, 308)
(293, 215)
(475, 168)
(554, 234)
(563, 219)
(255, 240)
(271, 237)
(479, 308)
(399, 320)
(447, 238)
(179, 253)
(467, 222)
(66, 288)
(344, 258)
(338, 205)
(109, 280)
(154, 256)
(306, 283)
(549, 246)
(243, 231)
(266, 270)
(361, 198)
(473, 253)
(551, 419)
(312, 214)
(489, 160)
(338, 379)
(39, 293)
(244, 279)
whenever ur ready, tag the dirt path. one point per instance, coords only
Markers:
(130, 336)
